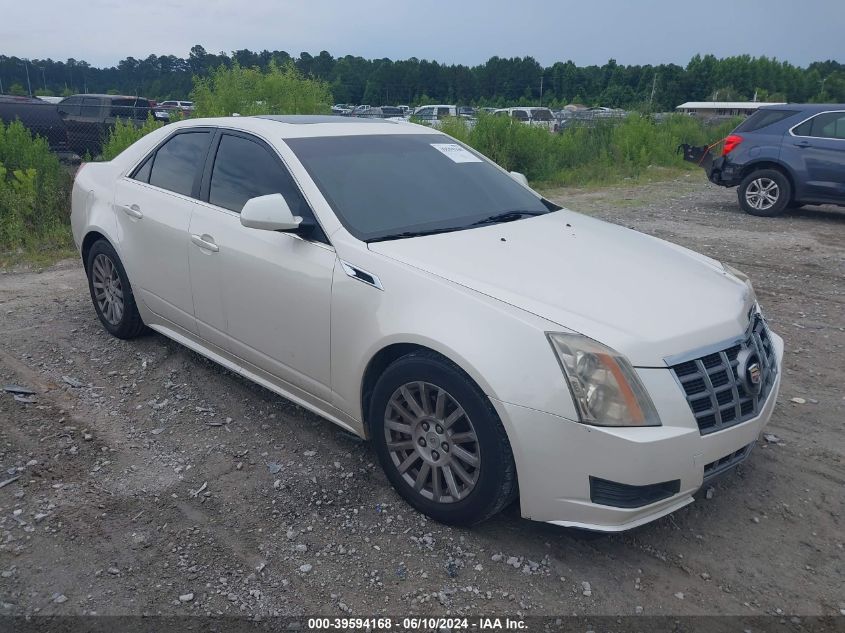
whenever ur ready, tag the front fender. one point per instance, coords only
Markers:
(502, 348)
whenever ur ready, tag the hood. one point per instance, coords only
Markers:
(641, 295)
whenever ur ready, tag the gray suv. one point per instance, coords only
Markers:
(782, 157)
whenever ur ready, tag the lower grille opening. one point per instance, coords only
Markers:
(719, 466)
(610, 493)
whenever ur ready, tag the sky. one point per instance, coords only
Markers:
(456, 31)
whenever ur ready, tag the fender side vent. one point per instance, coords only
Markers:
(361, 275)
(610, 493)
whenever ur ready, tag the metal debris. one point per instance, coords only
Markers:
(73, 382)
(25, 391)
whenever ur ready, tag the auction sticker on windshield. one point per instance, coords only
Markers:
(457, 153)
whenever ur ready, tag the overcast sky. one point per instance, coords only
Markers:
(458, 31)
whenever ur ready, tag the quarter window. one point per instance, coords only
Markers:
(244, 169)
(143, 172)
(827, 125)
(177, 162)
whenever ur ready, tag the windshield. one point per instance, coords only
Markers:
(384, 185)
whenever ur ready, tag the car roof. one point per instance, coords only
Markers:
(104, 96)
(281, 126)
(809, 108)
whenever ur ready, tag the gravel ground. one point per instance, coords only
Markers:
(147, 480)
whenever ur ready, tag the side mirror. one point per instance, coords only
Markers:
(269, 213)
(520, 178)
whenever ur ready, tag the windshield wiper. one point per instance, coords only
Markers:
(507, 216)
(406, 234)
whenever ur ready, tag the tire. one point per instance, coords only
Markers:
(111, 292)
(764, 193)
(472, 446)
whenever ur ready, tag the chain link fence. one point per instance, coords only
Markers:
(79, 125)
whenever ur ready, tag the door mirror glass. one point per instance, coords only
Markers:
(269, 213)
(520, 178)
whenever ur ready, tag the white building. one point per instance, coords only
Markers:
(721, 108)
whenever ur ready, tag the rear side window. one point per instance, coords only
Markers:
(130, 108)
(763, 118)
(827, 125)
(244, 169)
(177, 162)
(522, 115)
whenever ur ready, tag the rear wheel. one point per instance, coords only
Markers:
(764, 193)
(111, 293)
(440, 441)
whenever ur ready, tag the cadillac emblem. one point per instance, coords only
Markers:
(749, 371)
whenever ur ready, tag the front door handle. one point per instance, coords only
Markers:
(205, 242)
(133, 211)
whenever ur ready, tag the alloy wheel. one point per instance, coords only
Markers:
(108, 289)
(762, 194)
(432, 442)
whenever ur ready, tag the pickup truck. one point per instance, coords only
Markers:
(89, 117)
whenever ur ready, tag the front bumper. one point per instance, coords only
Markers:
(556, 457)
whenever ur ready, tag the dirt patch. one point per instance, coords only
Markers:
(165, 484)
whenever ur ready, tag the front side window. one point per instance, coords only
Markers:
(384, 185)
(71, 106)
(244, 169)
(426, 112)
(521, 115)
(542, 115)
(827, 125)
(177, 162)
(91, 107)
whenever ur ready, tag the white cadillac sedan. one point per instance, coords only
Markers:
(489, 343)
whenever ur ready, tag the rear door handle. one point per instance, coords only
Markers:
(205, 242)
(133, 211)
(802, 144)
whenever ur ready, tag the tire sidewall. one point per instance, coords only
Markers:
(494, 453)
(126, 328)
(784, 197)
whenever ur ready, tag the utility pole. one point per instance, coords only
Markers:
(653, 89)
(28, 85)
(541, 89)
(43, 78)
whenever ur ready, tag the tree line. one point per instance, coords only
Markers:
(497, 82)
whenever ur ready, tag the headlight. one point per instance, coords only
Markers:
(603, 383)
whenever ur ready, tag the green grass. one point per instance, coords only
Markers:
(34, 197)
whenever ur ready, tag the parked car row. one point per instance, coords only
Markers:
(432, 114)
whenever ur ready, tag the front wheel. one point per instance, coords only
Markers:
(764, 193)
(111, 293)
(440, 441)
